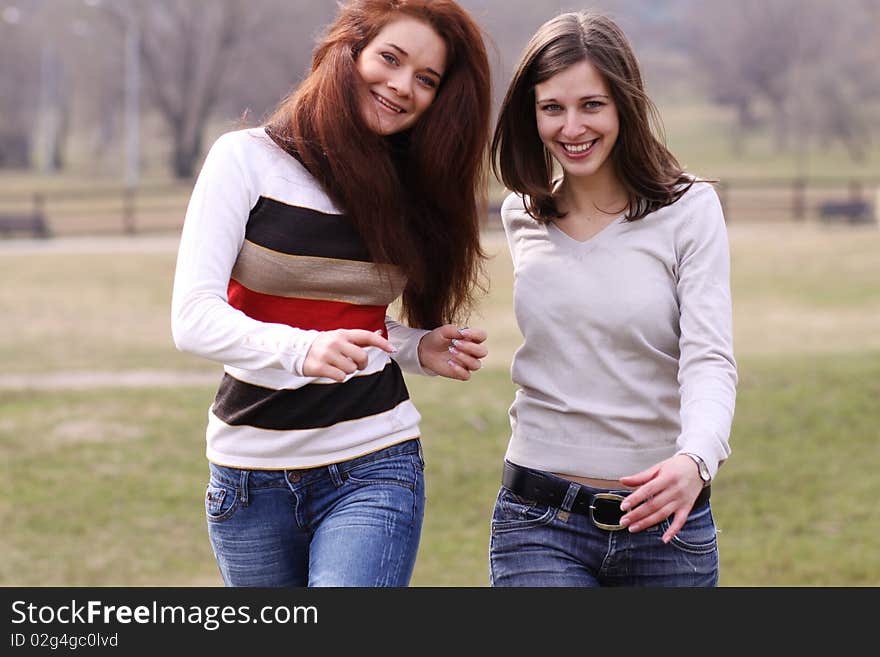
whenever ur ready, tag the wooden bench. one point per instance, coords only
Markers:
(854, 212)
(33, 223)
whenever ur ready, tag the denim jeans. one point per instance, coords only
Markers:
(535, 545)
(355, 523)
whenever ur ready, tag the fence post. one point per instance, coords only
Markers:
(39, 204)
(855, 190)
(128, 210)
(799, 207)
(40, 223)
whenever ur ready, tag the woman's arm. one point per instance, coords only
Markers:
(202, 321)
(447, 351)
(707, 372)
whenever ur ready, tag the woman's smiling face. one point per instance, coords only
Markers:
(402, 69)
(577, 119)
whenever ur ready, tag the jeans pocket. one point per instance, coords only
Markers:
(400, 470)
(220, 501)
(698, 536)
(515, 512)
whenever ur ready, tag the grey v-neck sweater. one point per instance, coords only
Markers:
(627, 356)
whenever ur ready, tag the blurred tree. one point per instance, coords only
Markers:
(35, 96)
(246, 53)
(19, 91)
(746, 52)
(186, 47)
(805, 67)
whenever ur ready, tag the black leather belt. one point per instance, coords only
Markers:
(602, 508)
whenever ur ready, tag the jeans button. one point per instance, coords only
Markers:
(293, 477)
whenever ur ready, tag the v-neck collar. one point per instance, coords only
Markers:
(565, 240)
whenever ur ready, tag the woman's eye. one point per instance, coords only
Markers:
(427, 81)
(594, 104)
(551, 108)
(388, 57)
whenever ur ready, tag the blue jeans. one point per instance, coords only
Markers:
(535, 545)
(355, 523)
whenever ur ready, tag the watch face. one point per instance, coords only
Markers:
(701, 467)
(704, 472)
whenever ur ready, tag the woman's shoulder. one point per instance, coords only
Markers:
(698, 213)
(264, 160)
(514, 216)
(701, 192)
(246, 143)
(697, 197)
(514, 207)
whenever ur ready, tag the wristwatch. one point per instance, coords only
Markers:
(702, 467)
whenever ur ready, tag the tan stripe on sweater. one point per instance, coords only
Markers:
(308, 277)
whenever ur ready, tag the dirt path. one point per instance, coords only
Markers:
(91, 244)
(83, 380)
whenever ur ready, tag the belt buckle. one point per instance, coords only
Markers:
(603, 499)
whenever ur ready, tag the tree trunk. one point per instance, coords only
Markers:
(187, 151)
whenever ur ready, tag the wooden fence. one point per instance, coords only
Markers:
(161, 208)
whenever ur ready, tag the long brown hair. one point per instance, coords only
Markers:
(416, 198)
(650, 174)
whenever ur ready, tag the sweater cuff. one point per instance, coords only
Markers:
(406, 340)
(299, 348)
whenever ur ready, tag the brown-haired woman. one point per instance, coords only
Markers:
(364, 186)
(626, 375)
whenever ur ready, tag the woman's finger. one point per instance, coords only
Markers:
(473, 349)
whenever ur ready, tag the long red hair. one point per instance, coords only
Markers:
(416, 198)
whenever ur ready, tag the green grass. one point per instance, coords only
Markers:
(795, 502)
(80, 311)
(104, 486)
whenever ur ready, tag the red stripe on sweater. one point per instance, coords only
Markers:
(306, 313)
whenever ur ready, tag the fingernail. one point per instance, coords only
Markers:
(624, 506)
(463, 329)
(455, 343)
(453, 350)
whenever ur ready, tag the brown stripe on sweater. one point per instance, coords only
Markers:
(314, 405)
(309, 277)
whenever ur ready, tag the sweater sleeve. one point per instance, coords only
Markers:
(406, 341)
(510, 209)
(707, 370)
(202, 321)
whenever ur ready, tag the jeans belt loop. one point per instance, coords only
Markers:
(243, 487)
(570, 496)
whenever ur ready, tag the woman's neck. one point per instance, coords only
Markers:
(600, 193)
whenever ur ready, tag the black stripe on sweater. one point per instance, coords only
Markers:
(301, 231)
(313, 406)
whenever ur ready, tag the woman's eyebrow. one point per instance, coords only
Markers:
(406, 54)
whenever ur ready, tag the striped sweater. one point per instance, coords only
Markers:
(266, 262)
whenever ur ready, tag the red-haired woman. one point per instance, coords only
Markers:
(362, 188)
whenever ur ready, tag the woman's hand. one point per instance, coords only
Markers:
(336, 354)
(669, 488)
(453, 352)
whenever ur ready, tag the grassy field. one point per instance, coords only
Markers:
(105, 486)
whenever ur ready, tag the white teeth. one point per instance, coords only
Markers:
(387, 104)
(578, 148)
